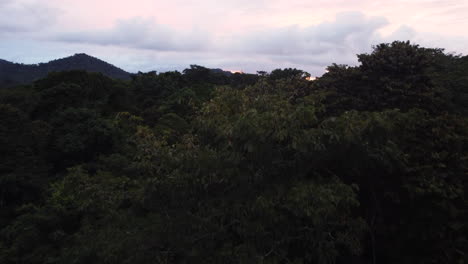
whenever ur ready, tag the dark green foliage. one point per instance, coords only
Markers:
(23, 175)
(76, 89)
(288, 74)
(366, 164)
(80, 135)
(397, 75)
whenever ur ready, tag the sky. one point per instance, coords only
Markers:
(245, 35)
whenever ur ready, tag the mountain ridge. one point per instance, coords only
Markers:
(16, 73)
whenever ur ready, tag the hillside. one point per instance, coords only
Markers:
(15, 73)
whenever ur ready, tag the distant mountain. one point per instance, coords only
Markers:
(15, 73)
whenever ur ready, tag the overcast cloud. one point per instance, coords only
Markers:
(142, 33)
(18, 17)
(236, 35)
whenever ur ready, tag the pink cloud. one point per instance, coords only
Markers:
(219, 17)
(252, 34)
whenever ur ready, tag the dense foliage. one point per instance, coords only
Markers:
(366, 164)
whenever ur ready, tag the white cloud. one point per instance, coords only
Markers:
(141, 33)
(26, 16)
(348, 32)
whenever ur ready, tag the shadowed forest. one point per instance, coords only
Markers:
(365, 164)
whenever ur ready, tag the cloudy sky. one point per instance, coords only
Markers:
(248, 35)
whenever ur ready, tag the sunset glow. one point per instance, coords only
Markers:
(235, 71)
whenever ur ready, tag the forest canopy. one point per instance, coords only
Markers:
(365, 164)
